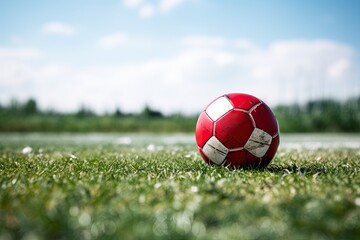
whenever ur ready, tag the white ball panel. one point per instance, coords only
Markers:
(215, 150)
(219, 108)
(258, 143)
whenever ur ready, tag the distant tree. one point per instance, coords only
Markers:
(325, 114)
(350, 115)
(14, 107)
(85, 112)
(118, 113)
(150, 113)
(30, 107)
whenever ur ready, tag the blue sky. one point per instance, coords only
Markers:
(177, 55)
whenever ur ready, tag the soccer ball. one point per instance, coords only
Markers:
(237, 130)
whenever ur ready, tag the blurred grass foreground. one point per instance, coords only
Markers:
(315, 116)
(102, 191)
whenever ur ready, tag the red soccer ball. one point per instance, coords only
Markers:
(237, 130)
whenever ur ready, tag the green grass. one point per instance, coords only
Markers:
(73, 123)
(109, 192)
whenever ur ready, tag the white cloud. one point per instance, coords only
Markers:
(113, 40)
(14, 75)
(132, 3)
(243, 44)
(338, 68)
(298, 70)
(168, 5)
(20, 53)
(283, 72)
(58, 28)
(146, 10)
(204, 41)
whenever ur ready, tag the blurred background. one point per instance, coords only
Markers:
(153, 65)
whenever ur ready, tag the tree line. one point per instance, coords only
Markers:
(325, 115)
(28, 117)
(30, 107)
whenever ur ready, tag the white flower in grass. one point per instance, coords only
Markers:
(27, 150)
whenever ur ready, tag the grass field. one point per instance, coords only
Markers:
(68, 190)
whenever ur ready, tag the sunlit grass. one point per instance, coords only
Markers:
(97, 192)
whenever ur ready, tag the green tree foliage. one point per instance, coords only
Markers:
(16, 108)
(30, 107)
(320, 116)
(85, 112)
(148, 112)
(118, 113)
